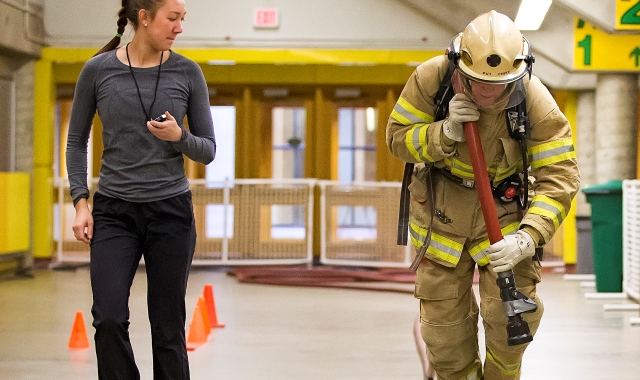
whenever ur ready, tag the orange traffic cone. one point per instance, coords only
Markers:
(197, 333)
(78, 339)
(205, 314)
(211, 306)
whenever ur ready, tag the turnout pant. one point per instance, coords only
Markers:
(163, 232)
(449, 319)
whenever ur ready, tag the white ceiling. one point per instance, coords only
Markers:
(552, 44)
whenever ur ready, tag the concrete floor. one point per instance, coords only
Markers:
(279, 332)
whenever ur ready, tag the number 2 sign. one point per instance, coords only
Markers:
(627, 14)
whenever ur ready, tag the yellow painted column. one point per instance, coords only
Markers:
(250, 144)
(44, 123)
(15, 211)
(243, 120)
(567, 101)
(321, 152)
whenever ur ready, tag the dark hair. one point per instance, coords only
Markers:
(129, 13)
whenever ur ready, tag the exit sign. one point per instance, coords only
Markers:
(266, 18)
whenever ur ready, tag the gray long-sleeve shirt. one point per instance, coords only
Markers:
(136, 165)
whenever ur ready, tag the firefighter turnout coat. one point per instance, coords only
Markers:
(413, 136)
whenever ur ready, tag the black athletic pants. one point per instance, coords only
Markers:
(164, 233)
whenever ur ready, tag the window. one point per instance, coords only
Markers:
(356, 163)
(357, 144)
(224, 125)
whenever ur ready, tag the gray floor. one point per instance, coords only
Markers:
(277, 332)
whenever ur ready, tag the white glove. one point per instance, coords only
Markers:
(509, 251)
(461, 109)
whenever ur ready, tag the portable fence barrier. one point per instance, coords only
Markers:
(240, 222)
(359, 224)
(631, 242)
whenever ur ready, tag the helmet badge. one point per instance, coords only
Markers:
(493, 60)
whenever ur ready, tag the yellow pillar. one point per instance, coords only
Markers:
(253, 143)
(321, 152)
(568, 103)
(44, 122)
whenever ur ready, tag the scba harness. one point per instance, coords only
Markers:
(513, 188)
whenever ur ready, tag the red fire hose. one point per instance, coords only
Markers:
(480, 173)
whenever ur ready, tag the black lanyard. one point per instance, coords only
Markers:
(155, 91)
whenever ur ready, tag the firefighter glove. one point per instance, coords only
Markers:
(461, 109)
(509, 251)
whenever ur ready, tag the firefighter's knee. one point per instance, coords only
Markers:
(495, 325)
(453, 346)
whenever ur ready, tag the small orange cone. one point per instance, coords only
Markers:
(78, 339)
(205, 314)
(211, 306)
(197, 334)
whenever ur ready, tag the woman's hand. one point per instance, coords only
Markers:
(83, 223)
(167, 130)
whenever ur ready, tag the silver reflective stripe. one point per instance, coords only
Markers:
(552, 152)
(444, 248)
(411, 117)
(415, 139)
(550, 208)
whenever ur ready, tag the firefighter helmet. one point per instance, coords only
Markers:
(492, 50)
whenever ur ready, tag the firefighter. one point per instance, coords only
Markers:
(446, 224)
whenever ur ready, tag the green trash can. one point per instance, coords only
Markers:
(606, 234)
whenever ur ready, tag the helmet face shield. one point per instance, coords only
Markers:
(488, 96)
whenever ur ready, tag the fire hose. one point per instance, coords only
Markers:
(514, 303)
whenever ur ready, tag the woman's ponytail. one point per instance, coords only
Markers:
(122, 22)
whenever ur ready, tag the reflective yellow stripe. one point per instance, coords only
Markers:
(418, 234)
(459, 168)
(475, 374)
(465, 171)
(548, 208)
(551, 152)
(440, 246)
(407, 114)
(416, 142)
(416, 138)
(445, 249)
(477, 251)
(509, 369)
(501, 174)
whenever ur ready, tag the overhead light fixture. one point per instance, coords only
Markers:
(221, 62)
(371, 118)
(531, 14)
(275, 92)
(347, 93)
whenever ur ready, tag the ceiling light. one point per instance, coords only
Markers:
(531, 14)
(275, 92)
(347, 93)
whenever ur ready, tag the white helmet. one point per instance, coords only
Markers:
(492, 50)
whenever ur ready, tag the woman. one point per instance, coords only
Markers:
(142, 206)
